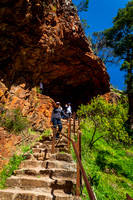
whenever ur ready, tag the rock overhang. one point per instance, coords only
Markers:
(44, 41)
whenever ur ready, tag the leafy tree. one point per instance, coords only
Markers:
(84, 24)
(99, 47)
(83, 6)
(105, 118)
(120, 38)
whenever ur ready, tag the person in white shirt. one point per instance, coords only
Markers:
(69, 110)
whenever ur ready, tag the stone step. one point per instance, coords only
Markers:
(18, 194)
(32, 183)
(57, 143)
(48, 164)
(44, 138)
(58, 164)
(51, 173)
(42, 156)
(62, 157)
(29, 156)
(43, 176)
(41, 146)
(47, 142)
(48, 150)
(57, 150)
(30, 164)
(60, 145)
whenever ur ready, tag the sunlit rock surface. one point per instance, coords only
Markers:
(44, 41)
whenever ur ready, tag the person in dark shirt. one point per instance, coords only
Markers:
(56, 117)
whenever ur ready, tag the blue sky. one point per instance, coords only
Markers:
(99, 17)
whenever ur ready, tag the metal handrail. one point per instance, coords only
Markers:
(87, 184)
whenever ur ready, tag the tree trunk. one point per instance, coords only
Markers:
(130, 96)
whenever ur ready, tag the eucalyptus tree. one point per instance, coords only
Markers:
(99, 47)
(83, 6)
(120, 38)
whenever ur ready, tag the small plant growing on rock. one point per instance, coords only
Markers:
(46, 133)
(13, 120)
(12, 165)
(38, 90)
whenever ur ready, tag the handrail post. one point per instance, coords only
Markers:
(69, 134)
(53, 141)
(128, 197)
(74, 123)
(87, 184)
(78, 182)
(78, 121)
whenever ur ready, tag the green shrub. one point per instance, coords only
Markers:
(108, 167)
(13, 164)
(38, 90)
(105, 118)
(46, 133)
(13, 120)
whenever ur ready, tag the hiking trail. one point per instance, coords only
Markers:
(44, 175)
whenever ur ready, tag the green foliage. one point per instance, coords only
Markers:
(26, 148)
(120, 36)
(100, 48)
(13, 164)
(30, 131)
(83, 6)
(9, 168)
(38, 89)
(105, 118)
(84, 24)
(46, 133)
(13, 120)
(120, 39)
(54, 8)
(108, 167)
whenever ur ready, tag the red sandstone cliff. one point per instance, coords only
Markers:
(44, 41)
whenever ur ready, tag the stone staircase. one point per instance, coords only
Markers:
(43, 176)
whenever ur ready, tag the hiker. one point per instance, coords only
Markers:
(69, 110)
(56, 117)
(65, 110)
(41, 88)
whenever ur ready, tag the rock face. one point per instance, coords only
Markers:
(8, 144)
(42, 40)
(35, 106)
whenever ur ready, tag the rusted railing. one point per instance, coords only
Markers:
(77, 150)
(128, 197)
